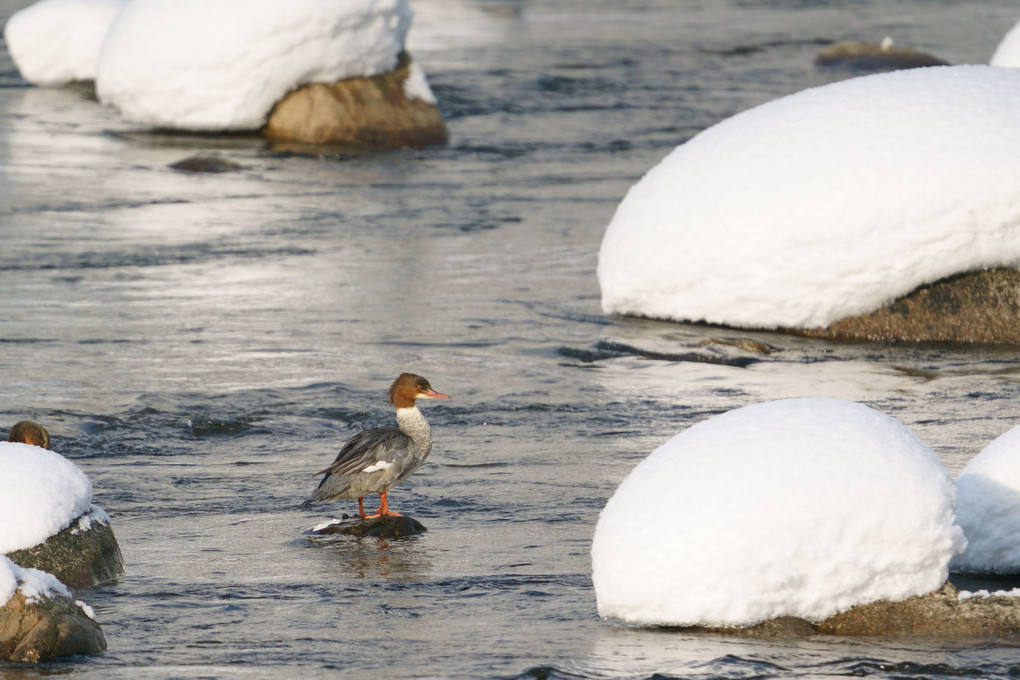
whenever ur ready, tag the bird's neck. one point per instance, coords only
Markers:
(411, 422)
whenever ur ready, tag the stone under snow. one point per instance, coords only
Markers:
(797, 507)
(223, 64)
(41, 493)
(825, 204)
(988, 493)
(55, 42)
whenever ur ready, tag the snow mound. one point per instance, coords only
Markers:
(824, 204)
(1008, 51)
(223, 64)
(55, 42)
(797, 507)
(33, 584)
(41, 493)
(988, 492)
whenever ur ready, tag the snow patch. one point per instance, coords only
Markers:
(172, 63)
(988, 491)
(55, 42)
(327, 524)
(984, 594)
(41, 493)
(825, 204)
(95, 514)
(777, 509)
(89, 611)
(417, 86)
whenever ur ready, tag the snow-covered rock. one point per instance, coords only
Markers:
(1008, 51)
(988, 493)
(40, 621)
(797, 507)
(222, 64)
(824, 204)
(55, 42)
(41, 493)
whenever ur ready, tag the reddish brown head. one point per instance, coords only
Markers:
(409, 387)
(28, 432)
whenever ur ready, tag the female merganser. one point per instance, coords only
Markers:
(376, 460)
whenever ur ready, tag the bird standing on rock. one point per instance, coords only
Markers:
(376, 460)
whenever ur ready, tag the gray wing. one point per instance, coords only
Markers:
(366, 448)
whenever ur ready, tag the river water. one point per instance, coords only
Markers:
(202, 344)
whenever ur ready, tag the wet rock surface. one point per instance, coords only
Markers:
(358, 113)
(975, 307)
(205, 164)
(84, 554)
(375, 527)
(39, 629)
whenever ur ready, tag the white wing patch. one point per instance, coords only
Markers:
(377, 466)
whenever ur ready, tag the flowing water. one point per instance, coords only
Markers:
(202, 344)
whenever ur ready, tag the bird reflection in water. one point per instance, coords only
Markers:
(400, 559)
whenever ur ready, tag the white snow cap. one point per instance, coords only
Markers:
(1008, 51)
(41, 493)
(988, 492)
(32, 583)
(223, 64)
(797, 507)
(824, 204)
(55, 42)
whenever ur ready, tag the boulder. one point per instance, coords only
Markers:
(84, 554)
(36, 629)
(27, 432)
(941, 614)
(862, 56)
(975, 307)
(390, 526)
(381, 112)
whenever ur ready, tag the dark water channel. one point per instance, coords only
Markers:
(201, 344)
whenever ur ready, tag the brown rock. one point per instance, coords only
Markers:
(861, 56)
(47, 628)
(79, 558)
(27, 432)
(976, 307)
(359, 113)
(936, 615)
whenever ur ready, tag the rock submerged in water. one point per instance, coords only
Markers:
(37, 629)
(390, 526)
(84, 554)
(975, 307)
(360, 113)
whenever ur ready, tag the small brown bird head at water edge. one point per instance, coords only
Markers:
(408, 387)
(27, 432)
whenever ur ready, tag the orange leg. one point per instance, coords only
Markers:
(383, 510)
(361, 507)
